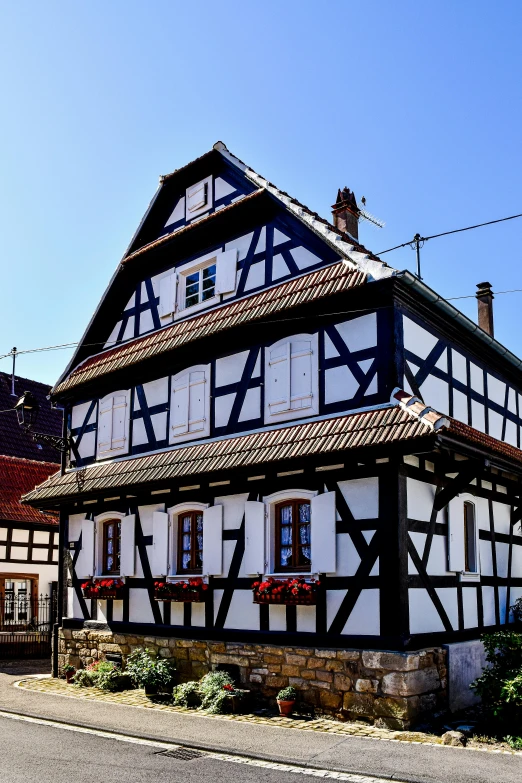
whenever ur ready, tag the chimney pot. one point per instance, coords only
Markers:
(345, 213)
(485, 298)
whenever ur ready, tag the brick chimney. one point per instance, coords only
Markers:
(485, 307)
(345, 213)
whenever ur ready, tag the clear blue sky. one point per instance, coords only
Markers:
(416, 106)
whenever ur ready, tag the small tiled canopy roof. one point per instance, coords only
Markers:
(16, 477)
(308, 288)
(369, 428)
(14, 441)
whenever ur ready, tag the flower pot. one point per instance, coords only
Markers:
(285, 707)
(151, 690)
(69, 677)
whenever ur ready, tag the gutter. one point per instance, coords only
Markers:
(462, 320)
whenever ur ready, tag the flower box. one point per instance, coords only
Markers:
(287, 592)
(103, 589)
(192, 591)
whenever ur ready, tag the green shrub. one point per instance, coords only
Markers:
(187, 695)
(216, 689)
(84, 678)
(514, 742)
(516, 610)
(500, 684)
(103, 675)
(146, 670)
(287, 694)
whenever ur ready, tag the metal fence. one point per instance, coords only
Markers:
(26, 624)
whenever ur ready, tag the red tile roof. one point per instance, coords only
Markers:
(307, 288)
(14, 441)
(18, 476)
(369, 428)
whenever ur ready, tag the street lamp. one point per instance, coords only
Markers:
(27, 408)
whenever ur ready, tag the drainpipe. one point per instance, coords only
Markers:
(63, 552)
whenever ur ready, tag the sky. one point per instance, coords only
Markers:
(416, 106)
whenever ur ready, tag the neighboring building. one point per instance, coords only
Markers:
(272, 400)
(28, 538)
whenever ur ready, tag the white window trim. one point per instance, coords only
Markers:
(205, 431)
(270, 502)
(471, 576)
(174, 512)
(98, 543)
(191, 214)
(298, 413)
(187, 269)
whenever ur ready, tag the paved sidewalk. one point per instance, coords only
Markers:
(328, 750)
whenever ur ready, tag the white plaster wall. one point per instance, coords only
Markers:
(424, 618)
(420, 497)
(243, 613)
(364, 619)
(362, 496)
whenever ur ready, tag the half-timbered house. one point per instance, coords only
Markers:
(258, 398)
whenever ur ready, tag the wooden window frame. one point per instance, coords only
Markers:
(192, 569)
(296, 566)
(105, 526)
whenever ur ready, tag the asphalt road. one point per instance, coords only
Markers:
(33, 752)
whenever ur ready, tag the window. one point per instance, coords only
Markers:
(198, 198)
(190, 542)
(190, 402)
(292, 378)
(111, 546)
(200, 286)
(113, 424)
(292, 538)
(470, 542)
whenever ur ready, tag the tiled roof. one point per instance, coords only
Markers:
(369, 428)
(18, 476)
(14, 441)
(322, 283)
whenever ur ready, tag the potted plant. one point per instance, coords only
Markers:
(155, 675)
(191, 591)
(294, 591)
(103, 588)
(286, 700)
(69, 672)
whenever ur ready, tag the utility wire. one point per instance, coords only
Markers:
(446, 233)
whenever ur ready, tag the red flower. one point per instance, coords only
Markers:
(228, 687)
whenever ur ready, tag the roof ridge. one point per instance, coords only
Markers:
(418, 410)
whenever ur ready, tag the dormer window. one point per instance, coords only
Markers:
(198, 198)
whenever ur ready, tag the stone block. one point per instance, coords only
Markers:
(120, 638)
(197, 655)
(307, 674)
(236, 660)
(271, 650)
(290, 671)
(367, 686)
(455, 738)
(319, 684)
(296, 660)
(342, 682)
(315, 663)
(399, 707)
(396, 724)
(276, 682)
(411, 683)
(399, 662)
(66, 633)
(333, 665)
(79, 635)
(358, 704)
(330, 701)
(256, 678)
(323, 675)
(183, 643)
(165, 652)
(268, 659)
(259, 671)
(198, 670)
(109, 648)
(297, 682)
(298, 651)
(348, 655)
(326, 654)
(218, 647)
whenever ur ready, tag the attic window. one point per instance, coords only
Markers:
(200, 286)
(199, 198)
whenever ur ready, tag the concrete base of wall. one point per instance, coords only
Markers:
(466, 661)
(389, 689)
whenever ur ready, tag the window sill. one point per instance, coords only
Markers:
(186, 311)
(466, 576)
(292, 575)
(184, 577)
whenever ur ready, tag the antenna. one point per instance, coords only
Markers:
(369, 217)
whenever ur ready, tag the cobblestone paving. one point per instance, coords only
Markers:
(137, 698)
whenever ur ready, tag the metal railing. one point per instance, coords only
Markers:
(26, 623)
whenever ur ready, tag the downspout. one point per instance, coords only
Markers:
(63, 538)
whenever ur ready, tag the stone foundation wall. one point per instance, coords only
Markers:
(389, 689)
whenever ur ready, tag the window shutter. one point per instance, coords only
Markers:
(105, 426)
(160, 538)
(323, 516)
(113, 424)
(119, 422)
(180, 405)
(301, 374)
(279, 378)
(197, 397)
(456, 535)
(167, 295)
(226, 272)
(128, 546)
(254, 557)
(213, 540)
(85, 561)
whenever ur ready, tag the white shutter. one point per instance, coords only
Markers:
(128, 546)
(160, 549)
(119, 422)
(197, 397)
(167, 295)
(323, 534)
(85, 561)
(213, 540)
(254, 557)
(279, 379)
(456, 555)
(105, 426)
(226, 272)
(179, 409)
(301, 374)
